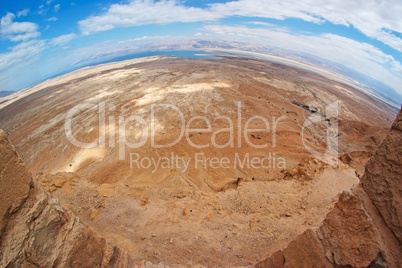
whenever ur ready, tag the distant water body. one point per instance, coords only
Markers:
(191, 54)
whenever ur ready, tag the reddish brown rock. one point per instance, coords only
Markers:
(37, 232)
(348, 234)
(382, 179)
(364, 228)
(14, 183)
(347, 237)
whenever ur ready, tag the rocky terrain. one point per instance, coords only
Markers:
(207, 213)
(364, 227)
(37, 232)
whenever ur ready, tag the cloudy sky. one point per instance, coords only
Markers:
(41, 38)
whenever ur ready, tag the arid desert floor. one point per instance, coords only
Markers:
(235, 179)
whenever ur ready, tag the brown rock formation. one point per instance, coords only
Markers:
(364, 228)
(37, 232)
(383, 176)
(346, 237)
(14, 183)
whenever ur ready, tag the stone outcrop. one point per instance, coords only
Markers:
(382, 179)
(364, 229)
(306, 170)
(15, 181)
(35, 231)
(346, 238)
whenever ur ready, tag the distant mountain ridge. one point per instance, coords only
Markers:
(5, 93)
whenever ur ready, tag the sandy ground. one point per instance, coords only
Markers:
(209, 213)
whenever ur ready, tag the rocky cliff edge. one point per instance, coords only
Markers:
(35, 231)
(364, 229)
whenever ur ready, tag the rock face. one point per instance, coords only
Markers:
(15, 181)
(364, 229)
(383, 176)
(347, 237)
(37, 232)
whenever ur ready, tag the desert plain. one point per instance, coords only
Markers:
(196, 161)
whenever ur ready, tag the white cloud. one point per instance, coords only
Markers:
(266, 9)
(52, 19)
(56, 7)
(19, 61)
(23, 12)
(20, 53)
(198, 34)
(390, 39)
(17, 31)
(396, 67)
(261, 23)
(142, 12)
(369, 17)
(42, 10)
(358, 56)
(48, 2)
(145, 37)
(62, 39)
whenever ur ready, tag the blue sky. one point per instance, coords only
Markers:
(41, 38)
